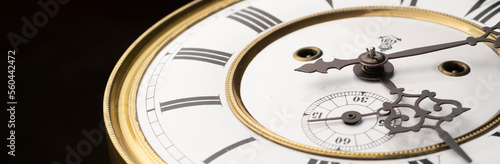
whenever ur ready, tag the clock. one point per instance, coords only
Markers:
(311, 82)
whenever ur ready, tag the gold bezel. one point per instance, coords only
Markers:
(119, 104)
(238, 68)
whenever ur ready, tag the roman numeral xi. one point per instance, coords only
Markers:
(487, 11)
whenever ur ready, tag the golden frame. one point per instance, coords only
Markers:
(119, 106)
(127, 143)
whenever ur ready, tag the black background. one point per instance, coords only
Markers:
(61, 73)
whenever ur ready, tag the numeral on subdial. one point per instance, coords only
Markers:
(204, 55)
(190, 101)
(255, 18)
(487, 11)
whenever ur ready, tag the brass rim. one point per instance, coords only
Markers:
(238, 67)
(119, 103)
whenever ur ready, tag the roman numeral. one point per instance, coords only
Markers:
(315, 161)
(487, 11)
(190, 101)
(330, 2)
(204, 55)
(255, 18)
(496, 134)
(227, 149)
(412, 2)
(422, 161)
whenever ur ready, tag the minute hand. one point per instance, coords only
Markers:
(470, 40)
(421, 50)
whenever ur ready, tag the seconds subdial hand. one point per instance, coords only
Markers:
(351, 117)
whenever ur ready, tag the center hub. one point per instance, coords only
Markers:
(351, 117)
(373, 66)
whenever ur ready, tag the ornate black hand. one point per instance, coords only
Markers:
(322, 66)
(373, 65)
(422, 114)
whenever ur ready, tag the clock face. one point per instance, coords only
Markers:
(226, 84)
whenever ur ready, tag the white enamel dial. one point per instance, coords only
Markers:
(185, 112)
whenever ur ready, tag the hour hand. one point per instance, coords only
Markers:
(322, 66)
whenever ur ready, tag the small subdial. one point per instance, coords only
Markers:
(347, 121)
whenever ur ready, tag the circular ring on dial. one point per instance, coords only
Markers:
(237, 70)
(347, 121)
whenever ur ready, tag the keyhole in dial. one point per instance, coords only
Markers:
(454, 68)
(307, 54)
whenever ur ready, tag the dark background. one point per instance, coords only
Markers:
(62, 71)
